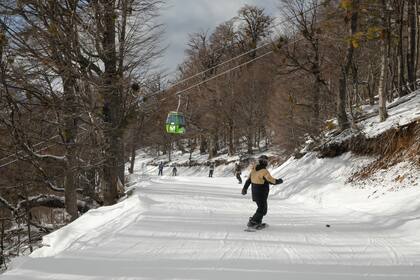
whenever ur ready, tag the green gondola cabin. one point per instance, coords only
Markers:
(175, 123)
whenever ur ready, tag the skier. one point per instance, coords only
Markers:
(238, 172)
(211, 170)
(160, 168)
(174, 170)
(260, 179)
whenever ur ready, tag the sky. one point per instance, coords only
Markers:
(184, 17)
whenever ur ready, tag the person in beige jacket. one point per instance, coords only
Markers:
(260, 179)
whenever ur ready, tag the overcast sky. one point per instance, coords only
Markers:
(183, 17)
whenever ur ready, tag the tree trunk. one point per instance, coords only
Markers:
(317, 88)
(203, 144)
(122, 87)
(70, 133)
(112, 105)
(231, 147)
(342, 119)
(343, 122)
(28, 220)
(180, 147)
(354, 100)
(169, 151)
(2, 45)
(133, 152)
(237, 139)
(216, 143)
(249, 142)
(384, 62)
(213, 146)
(211, 149)
(258, 139)
(110, 172)
(371, 86)
(2, 258)
(401, 56)
(121, 157)
(191, 146)
(134, 144)
(132, 160)
(416, 7)
(412, 43)
(382, 84)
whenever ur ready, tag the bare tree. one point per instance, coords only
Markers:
(308, 26)
(384, 61)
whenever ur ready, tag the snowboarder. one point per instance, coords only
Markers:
(260, 179)
(211, 170)
(238, 172)
(160, 168)
(174, 170)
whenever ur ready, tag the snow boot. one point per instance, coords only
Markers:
(252, 223)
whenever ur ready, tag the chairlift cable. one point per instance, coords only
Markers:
(212, 68)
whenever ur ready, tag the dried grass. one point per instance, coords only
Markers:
(392, 147)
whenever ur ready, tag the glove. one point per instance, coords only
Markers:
(244, 191)
(279, 181)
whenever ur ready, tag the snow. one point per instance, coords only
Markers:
(322, 226)
(387, 181)
(149, 166)
(401, 112)
(191, 227)
(62, 239)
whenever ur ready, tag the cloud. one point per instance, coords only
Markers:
(184, 17)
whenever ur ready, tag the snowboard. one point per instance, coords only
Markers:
(254, 229)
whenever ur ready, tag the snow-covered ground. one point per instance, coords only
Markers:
(191, 227)
(402, 111)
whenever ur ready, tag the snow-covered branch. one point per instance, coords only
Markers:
(53, 186)
(5, 203)
(43, 156)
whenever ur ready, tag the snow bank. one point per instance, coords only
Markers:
(92, 223)
(401, 112)
(323, 183)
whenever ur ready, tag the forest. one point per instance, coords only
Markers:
(80, 92)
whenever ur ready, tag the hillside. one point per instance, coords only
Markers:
(322, 224)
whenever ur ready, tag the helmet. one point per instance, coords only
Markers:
(263, 160)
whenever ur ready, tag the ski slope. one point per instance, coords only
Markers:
(192, 228)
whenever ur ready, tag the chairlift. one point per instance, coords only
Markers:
(175, 122)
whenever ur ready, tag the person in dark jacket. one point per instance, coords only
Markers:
(260, 179)
(211, 170)
(160, 169)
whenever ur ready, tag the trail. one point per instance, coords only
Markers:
(192, 228)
